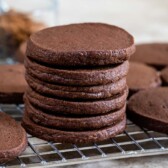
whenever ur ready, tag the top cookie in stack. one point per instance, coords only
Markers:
(88, 44)
(77, 82)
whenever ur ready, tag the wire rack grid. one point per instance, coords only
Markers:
(134, 142)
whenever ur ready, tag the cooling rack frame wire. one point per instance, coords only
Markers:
(134, 142)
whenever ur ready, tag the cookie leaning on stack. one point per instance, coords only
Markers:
(77, 82)
(149, 109)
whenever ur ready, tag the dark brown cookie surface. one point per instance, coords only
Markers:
(141, 77)
(164, 76)
(55, 135)
(81, 44)
(149, 109)
(74, 123)
(76, 107)
(13, 84)
(77, 77)
(75, 92)
(13, 139)
(154, 54)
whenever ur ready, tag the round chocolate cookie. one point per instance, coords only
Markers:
(77, 77)
(77, 92)
(13, 139)
(74, 123)
(86, 44)
(164, 76)
(13, 84)
(141, 76)
(55, 135)
(154, 54)
(56, 106)
(149, 109)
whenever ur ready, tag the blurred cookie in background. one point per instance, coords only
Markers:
(141, 76)
(20, 53)
(13, 84)
(15, 28)
(164, 76)
(154, 54)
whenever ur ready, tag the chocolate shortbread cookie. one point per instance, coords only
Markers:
(13, 84)
(69, 122)
(13, 140)
(149, 109)
(56, 135)
(86, 44)
(154, 54)
(164, 76)
(76, 107)
(141, 77)
(77, 92)
(77, 77)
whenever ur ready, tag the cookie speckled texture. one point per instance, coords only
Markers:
(149, 109)
(77, 92)
(164, 76)
(76, 107)
(75, 123)
(77, 77)
(155, 54)
(56, 135)
(13, 84)
(141, 77)
(13, 140)
(86, 44)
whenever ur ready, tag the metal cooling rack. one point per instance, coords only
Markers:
(134, 142)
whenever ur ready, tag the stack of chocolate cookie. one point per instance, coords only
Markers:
(77, 82)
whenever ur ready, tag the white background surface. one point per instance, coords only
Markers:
(147, 20)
